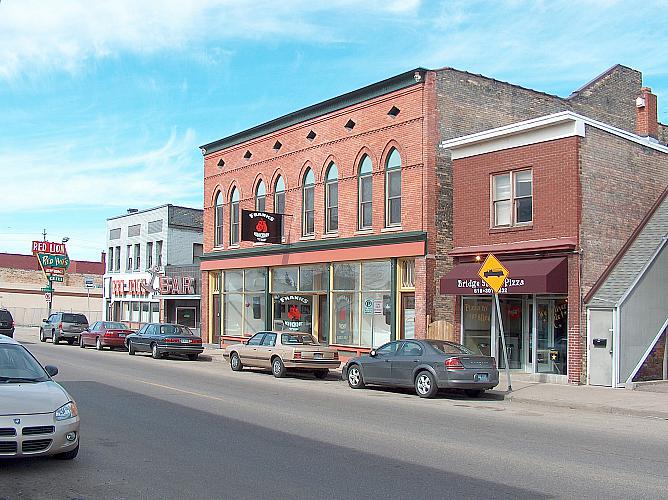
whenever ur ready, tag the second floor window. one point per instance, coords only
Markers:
(149, 255)
(218, 220)
(512, 198)
(128, 255)
(393, 189)
(158, 253)
(260, 197)
(332, 199)
(279, 199)
(117, 265)
(308, 227)
(137, 257)
(234, 217)
(365, 192)
(110, 266)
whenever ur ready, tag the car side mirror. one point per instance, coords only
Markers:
(373, 353)
(44, 320)
(51, 370)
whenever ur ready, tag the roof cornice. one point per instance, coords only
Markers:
(372, 91)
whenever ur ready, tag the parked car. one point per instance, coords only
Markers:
(426, 365)
(37, 416)
(281, 351)
(6, 323)
(63, 326)
(105, 334)
(163, 339)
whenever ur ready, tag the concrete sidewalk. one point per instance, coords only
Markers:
(640, 403)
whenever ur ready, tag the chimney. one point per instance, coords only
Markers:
(103, 259)
(646, 114)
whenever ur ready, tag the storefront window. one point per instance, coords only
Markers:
(145, 308)
(284, 279)
(313, 278)
(254, 312)
(155, 312)
(552, 336)
(347, 276)
(233, 314)
(293, 313)
(135, 311)
(244, 305)
(513, 321)
(345, 319)
(234, 281)
(254, 279)
(477, 324)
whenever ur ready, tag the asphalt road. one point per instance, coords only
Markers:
(179, 429)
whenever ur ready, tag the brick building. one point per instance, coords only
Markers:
(367, 195)
(22, 280)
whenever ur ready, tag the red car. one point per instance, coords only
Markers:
(105, 334)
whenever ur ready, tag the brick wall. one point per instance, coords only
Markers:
(652, 368)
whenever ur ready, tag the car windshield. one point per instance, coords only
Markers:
(5, 316)
(297, 339)
(109, 325)
(175, 330)
(74, 318)
(17, 365)
(450, 347)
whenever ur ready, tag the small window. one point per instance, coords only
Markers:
(234, 217)
(393, 112)
(137, 257)
(332, 199)
(365, 194)
(114, 234)
(350, 125)
(221, 163)
(308, 210)
(247, 155)
(260, 197)
(158, 253)
(408, 273)
(311, 135)
(512, 198)
(277, 145)
(198, 251)
(134, 230)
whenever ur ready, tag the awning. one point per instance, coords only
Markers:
(549, 275)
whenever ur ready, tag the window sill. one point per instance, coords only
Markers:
(364, 231)
(510, 229)
(231, 247)
(392, 229)
(218, 248)
(330, 235)
(307, 238)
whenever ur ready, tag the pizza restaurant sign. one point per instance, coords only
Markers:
(478, 286)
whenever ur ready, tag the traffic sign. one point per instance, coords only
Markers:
(493, 273)
(89, 282)
(58, 279)
(367, 306)
(48, 288)
(48, 296)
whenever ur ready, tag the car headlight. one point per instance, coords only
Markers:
(68, 410)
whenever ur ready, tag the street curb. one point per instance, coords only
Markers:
(614, 410)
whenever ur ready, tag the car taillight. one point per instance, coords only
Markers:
(60, 326)
(172, 341)
(13, 324)
(453, 364)
(109, 334)
(298, 355)
(336, 354)
(197, 341)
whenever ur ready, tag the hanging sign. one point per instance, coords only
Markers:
(261, 227)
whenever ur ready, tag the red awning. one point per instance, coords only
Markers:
(549, 275)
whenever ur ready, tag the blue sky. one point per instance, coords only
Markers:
(103, 104)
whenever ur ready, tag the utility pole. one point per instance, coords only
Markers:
(44, 235)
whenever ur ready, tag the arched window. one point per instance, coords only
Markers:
(218, 220)
(332, 199)
(364, 194)
(260, 197)
(393, 189)
(308, 193)
(279, 200)
(234, 217)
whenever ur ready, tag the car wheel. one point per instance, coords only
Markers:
(81, 342)
(68, 455)
(42, 338)
(131, 348)
(235, 362)
(321, 374)
(54, 338)
(193, 357)
(277, 367)
(355, 379)
(425, 385)
(474, 393)
(154, 351)
(98, 344)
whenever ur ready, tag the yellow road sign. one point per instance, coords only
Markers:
(493, 273)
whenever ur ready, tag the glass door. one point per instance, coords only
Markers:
(513, 326)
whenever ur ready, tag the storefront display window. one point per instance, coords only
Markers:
(477, 324)
(284, 279)
(293, 313)
(155, 312)
(244, 305)
(344, 321)
(145, 308)
(313, 278)
(347, 276)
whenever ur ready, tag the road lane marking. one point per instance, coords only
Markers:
(182, 390)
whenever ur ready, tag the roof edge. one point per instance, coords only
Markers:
(636, 232)
(153, 208)
(351, 98)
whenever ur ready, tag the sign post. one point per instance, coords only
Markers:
(495, 274)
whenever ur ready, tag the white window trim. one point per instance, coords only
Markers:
(513, 198)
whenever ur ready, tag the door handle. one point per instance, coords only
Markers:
(416, 361)
(387, 360)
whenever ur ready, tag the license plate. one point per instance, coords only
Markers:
(185, 341)
(317, 355)
(481, 377)
(121, 335)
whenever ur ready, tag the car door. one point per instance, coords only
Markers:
(90, 334)
(51, 325)
(249, 354)
(409, 355)
(377, 369)
(266, 349)
(141, 341)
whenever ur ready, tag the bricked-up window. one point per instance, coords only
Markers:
(365, 194)
(234, 217)
(512, 199)
(155, 226)
(114, 234)
(279, 199)
(218, 220)
(308, 194)
(260, 197)
(393, 189)
(134, 230)
(332, 199)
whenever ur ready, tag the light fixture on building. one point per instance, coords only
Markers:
(477, 258)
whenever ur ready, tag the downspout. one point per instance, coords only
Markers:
(665, 355)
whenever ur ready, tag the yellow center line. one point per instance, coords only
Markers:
(181, 390)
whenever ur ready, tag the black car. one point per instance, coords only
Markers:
(163, 339)
(426, 365)
(6, 323)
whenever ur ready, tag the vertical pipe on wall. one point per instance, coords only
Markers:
(394, 298)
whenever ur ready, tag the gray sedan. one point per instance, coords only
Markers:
(426, 365)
